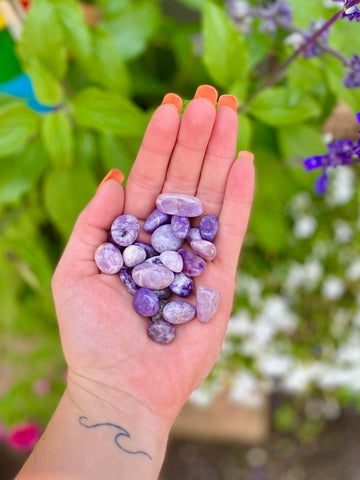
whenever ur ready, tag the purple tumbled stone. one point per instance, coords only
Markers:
(178, 312)
(145, 302)
(125, 230)
(193, 264)
(155, 219)
(207, 303)
(163, 294)
(178, 204)
(158, 315)
(154, 260)
(127, 280)
(182, 286)
(172, 260)
(161, 331)
(208, 227)
(133, 255)
(156, 277)
(150, 251)
(204, 249)
(180, 226)
(163, 239)
(194, 234)
(108, 258)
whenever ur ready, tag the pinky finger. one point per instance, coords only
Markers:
(235, 213)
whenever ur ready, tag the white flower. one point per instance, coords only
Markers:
(353, 271)
(299, 377)
(274, 365)
(328, 137)
(295, 40)
(340, 321)
(305, 227)
(240, 324)
(299, 203)
(349, 352)
(307, 275)
(342, 186)
(333, 287)
(343, 232)
(246, 389)
(276, 312)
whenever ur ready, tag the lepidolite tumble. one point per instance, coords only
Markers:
(125, 230)
(178, 311)
(108, 258)
(152, 276)
(145, 302)
(161, 331)
(178, 204)
(207, 303)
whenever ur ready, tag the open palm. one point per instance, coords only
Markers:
(104, 340)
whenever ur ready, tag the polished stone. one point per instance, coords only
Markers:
(207, 303)
(161, 331)
(182, 285)
(108, 258)
(155, 219)
(127, 280)
(164, 239)
(156, 277)
(133, 255)
(208, 227)
(178, 204)
(204, 249)
(125, 229)
(145, 302)
(180, 226)
(172, 260)
(193, 264)
(178, 311)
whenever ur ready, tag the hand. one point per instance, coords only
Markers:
(105, 343)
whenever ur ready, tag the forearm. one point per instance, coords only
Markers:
(93, 440)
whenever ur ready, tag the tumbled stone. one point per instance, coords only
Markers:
(127, 280)
(193, 264)
(182, 285)
(125, 229)
(207, 303)
(208, 227)
(158, 315)
(154, 260)
(178, 204)
(178, 311)
(133, 255)
(204, 249)
(172, 260)
(145, 302)
(194, 234)
(163, 294)
(108, 258)
(164, 239)
(155, 219)
(180, 226)
(161, 331)
(152, 276)
(150, 251)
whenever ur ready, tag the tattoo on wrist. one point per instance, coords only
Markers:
(122, 433)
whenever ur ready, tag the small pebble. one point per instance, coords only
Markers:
(180, 226)
(125, 229)
(127, 280)
(145, 302)
(163, 294)
(150, 251)
(133, 255)
(204, 249)
(155, 219)
(193, 264)
(182, 285)
(207, 303)
(161, 331)
(164, 239)
(108, 258)
(194, 234)
(172, 260)
(177, 204)
(151, 276)
(178, 311)
(208, 227)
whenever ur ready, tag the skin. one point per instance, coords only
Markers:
(115, 372)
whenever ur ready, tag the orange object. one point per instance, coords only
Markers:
(114, 174)
(207, 91)
(244, 155)
(173, 99)
(228, 101)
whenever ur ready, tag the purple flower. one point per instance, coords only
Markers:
(352, 78)
(351, 11)
(321, 184)
(314, 49)
(274, 13)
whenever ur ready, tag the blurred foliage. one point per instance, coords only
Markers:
(104, 81)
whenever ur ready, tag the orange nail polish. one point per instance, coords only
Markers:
(207, 91)
(246, 156)
(173, 99)
(228, 101)
(114, 174)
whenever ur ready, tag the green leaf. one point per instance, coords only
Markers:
(114, 154)
(57, 134)
(300, 142)
(108, 111)
(305, 74)
(278, 106)
(245, 133)
(47, 88)
(110, 8)
(17, 124)
(133, 27)
(226, 54)
(76, 32)
(66, 192)
(42, 37)
(9, 100)
(86, 151)
(20, 173)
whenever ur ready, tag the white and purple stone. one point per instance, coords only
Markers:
(180, 226)
(154, 260)
(155, 219)
(182, 285)
(178, 311)
(178, 204)
(150, 251)
(204, 249)
(194, 234)
(145, 302)
(133, 255)
(172, 260)
(158, 315)
(164, 239)
(156, 277)
(127, 280)
(161, 331)
(108, 258)
(193, 264)
(208, 227)
(163, 294)
(207, 303)
(125, 230)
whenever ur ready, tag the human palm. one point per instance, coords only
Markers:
(104, 340)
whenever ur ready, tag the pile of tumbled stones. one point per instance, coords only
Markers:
(153, 272)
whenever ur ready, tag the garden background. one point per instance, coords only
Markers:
(77, 87)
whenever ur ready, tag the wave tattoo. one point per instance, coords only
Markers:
(122, 433)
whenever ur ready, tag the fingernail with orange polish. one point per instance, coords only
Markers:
(228, 101)
(208, 92)
(246, 156)
(173, 99)
(115, 175)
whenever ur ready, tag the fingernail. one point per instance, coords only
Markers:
(246, 156)
(114, 174)
(208, 92)
(173, 99)
(228, 101)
